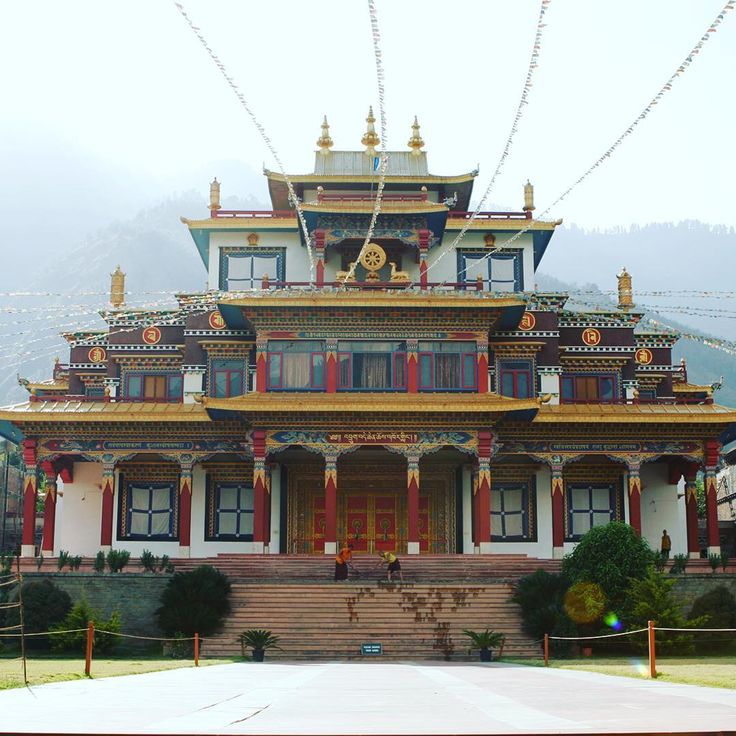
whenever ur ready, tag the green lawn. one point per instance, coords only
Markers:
(709, 671)
(55, 669)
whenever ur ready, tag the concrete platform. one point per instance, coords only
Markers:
(366, 698)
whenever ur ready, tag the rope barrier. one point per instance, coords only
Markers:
(601, 636)
(43, 633)
(151, 638)
(9, 582)
(4, 606)
(665, 628)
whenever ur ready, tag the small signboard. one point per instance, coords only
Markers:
(371, 648)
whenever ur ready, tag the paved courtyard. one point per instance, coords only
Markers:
(365, 698)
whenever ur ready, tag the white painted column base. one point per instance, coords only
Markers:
(484, 548)
(693, 555)
(714, 550)
(46, 553)
(28, 550)
(105, 548)
(330, 548)
(412, 548)
(258, 548)
(185, 552)
(558, 553)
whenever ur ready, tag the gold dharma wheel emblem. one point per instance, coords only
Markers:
(373, 260)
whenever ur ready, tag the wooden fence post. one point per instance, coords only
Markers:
(546, 650)
(196, 650)
(652, 650)
(88, 652)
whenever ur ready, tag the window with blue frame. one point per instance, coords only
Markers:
(367, 365)
(148, 511)
(511, 517)
(501, 271)
(153, 386)
(515, 378)
(244, 268)
(586, 388)
(296, 365)
(227, 378)
(447, 366)
(232, 512)
(94, 391)
(589, 505)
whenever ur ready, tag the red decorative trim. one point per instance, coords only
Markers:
(412, 502)
(691, 511)
(331, 372)
(635, 504)
(185, 513)
(106, 521)
(558, 514)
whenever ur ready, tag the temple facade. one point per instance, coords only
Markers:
(412, 392)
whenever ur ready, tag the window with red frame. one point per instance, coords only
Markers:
(228, 378)
(153, 387)
(447, 366)
(371, 365)
(589, 389)
(515, 379)
(296, 365)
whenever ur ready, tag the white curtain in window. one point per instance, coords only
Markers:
(374, 371)
(227, 521)
(160, 523)
(295, 370)
(138, 522)
(502, 274)
(265, 266)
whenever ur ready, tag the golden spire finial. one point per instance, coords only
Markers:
(625, 292)
(214, 195)
(117, 288)
(415, 142)
(370, 140)
(528, 196)
(324, 141)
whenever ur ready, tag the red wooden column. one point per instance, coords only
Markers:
(261, 367)
(28, 540)
(267, 510)
(331, 366)
(483, 492)
(412, 504)
(558, 508)
(412, 366)
(49, 509)
(108, 495)
(482, 347)
(712, 453)
(186, 466)
(330, 504)
(259, 489)
(424, 236)
(319, 248)
(634, 468)
(691, 511)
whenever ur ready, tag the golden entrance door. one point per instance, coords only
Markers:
(370, 522)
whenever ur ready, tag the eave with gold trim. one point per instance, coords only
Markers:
(636, 414)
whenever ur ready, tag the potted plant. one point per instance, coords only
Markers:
(484, 641)
(258, 640)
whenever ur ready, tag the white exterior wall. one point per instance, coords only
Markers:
(662, 509)
(79, 512)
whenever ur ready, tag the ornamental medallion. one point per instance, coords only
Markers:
(643, 356)
(216, 321)
(151, 335)
(591, 336)
(528, 321)
(97, 355)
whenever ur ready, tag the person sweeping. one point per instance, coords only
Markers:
(343, 562)
(390, 559)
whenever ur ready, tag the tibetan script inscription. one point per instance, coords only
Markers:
(373, 438)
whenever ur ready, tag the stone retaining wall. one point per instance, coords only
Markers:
(691, 585)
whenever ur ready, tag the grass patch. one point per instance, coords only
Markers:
(706, 671)
(42, 670)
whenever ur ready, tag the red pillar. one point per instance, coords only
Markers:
(634, 468)
(267, 509)
(482, 347)
(712, 453)
(261, 347)
(259, 487)
(412, 367)
(330, 504)
(423, 252)
(49, 509)
(412, 504)
(558, 511)
(483, 493)
(691, 511)
(185, 508)
(319, 248)
(331, 367)
(108, 494)
(28, 539)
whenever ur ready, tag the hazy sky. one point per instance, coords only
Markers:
(129, 83)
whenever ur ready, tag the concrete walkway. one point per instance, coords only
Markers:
(366, 698)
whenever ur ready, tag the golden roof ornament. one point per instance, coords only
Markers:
(324, 141)
(415, 142)
(528, 197)
(370, 140)
(625, 292)
(117, 288)
(214, 195)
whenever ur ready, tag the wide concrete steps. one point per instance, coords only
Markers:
(331, 621)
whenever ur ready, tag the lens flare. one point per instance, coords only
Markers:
(611, 619)
(585, 602)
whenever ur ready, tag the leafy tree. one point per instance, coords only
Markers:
(44, 604)
(718, 608)
(77, 621)
(609, 555)
(194, 602)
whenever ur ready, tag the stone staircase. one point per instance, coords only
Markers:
(415, 621)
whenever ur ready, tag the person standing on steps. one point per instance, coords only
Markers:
(390, 559)
(343, 561)
(666, 545)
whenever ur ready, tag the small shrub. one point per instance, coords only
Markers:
(44, 605)
(166, 564)
(117, 559)
(484, 639)
(75, 562)
(714, 560)
(149, 560)
(717, 608)
(99, 563)
(78, 618)
(62, 560)
(258, 639)
(679, 563)
(724, 561)
(6, 564)
(660, 561)
(194, 602)
(181, 647)
(39, 562)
